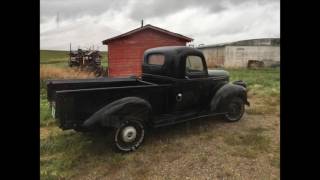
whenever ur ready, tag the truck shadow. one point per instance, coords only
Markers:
(155, 137)
(185, 129)
(189, 127)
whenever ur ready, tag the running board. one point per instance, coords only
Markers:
(166, 123)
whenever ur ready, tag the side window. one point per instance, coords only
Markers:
(194, 64)
(155, 59)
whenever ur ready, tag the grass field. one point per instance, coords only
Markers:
(201, 149)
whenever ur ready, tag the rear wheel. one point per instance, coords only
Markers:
(129, 136)
(234, 110)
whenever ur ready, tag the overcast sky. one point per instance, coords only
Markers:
(86, 23)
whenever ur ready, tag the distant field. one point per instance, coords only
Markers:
(60, 58)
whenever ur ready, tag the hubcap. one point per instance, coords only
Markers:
(129, 134)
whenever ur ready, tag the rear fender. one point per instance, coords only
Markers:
(226, 93)
(112, 114)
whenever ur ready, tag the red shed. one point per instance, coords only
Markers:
(125, 52)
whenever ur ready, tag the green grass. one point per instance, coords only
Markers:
(51, 56)
(61, 153)
(60, 58)
(45, 113)
(263, 81)
(55, 160)
(263, 88)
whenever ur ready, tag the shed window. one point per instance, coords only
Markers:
(155, 59)
(194, 64)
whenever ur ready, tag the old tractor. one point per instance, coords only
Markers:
(87, 60)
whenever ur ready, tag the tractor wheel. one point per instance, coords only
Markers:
(98, 72)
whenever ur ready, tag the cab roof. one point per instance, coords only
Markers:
(171, 50)
(174, 65)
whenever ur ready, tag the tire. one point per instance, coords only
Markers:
(129, 136)
(234, 110)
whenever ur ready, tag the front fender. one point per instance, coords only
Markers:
(225, 93)
(112, 114)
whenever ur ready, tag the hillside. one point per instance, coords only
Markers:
(60, 58)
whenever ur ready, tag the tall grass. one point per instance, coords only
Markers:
(53, 72)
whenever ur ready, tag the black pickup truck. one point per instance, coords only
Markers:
(175, 86)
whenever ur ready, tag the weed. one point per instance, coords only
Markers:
(275, 160)
(250, 143)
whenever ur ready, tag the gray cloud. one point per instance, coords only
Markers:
(207, 21)
(70, 9)
(160, 8)
(138, 9)
(154, 8)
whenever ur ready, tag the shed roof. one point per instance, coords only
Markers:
(148, 26)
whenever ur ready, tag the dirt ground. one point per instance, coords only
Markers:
(202, 149)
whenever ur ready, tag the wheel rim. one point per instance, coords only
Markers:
(129, 136)
(235, 111)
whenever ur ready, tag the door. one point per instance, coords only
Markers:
(189, 92)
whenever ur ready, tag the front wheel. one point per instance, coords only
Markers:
(129, 136)
(234, 110)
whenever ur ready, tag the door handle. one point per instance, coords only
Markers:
(179, 97)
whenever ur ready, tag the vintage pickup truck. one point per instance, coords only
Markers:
(175, 86)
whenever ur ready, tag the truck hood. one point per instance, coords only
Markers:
(218, 73)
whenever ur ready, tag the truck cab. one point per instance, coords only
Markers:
(185, 68)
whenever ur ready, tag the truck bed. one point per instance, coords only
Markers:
(71, 84)
(77, 100)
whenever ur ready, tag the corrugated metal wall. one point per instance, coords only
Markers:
(238, 56)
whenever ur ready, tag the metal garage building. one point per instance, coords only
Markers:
(246, 53)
